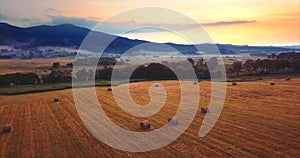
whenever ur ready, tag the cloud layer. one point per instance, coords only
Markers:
(53, 18)
(119, 27)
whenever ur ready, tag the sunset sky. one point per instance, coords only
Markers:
(252, 22)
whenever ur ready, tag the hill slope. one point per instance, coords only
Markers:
(67, 35)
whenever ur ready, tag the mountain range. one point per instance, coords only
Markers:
(68, 35)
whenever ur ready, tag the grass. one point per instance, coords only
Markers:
(258, 120)
(255, 77)
(24, 89)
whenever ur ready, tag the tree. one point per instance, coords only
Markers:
(29, 78)
(200, 62)
(104, 73)
(19, 79)
(56, 76)
(82, 75)
(283, 64)
(159, 71)
(105, 61)
(269, 65)
(139, 72)
(191, 61)
(296, 64)
(56, 65)
(212, 62)
(249, 66)
(237, 67)
(258, 66)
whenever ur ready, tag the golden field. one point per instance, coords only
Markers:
(258, 120)
(30, 65)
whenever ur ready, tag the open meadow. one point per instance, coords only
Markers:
(258, 120)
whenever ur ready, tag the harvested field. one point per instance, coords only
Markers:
(36, 65)
(258, 120)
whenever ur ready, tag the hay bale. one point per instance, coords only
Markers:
(56, 99)
(144, 125)
(195, 82)
(272, 84)
(234, 83)
(173, 121)
(6, 129)
(287, 79)
(204, 110)
(109, 89)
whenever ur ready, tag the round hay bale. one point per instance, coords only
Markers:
(272, 84)
(144, 125)
(287, 79)
(234, 83)
(204, 110)
(195, 82)
(109, 89)
(6, 129)
(56, 99)
(173, 121)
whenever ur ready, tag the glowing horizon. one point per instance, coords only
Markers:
(256, 22)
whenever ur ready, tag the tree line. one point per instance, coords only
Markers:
(19, 79)
(59, 75)
(153, 71)
(266, 66)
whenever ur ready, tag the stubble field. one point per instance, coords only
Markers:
(258, 120)
(30, 65)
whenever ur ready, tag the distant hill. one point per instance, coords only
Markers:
(68, 35)
(64, 35)
(61, 35)
(292, 47)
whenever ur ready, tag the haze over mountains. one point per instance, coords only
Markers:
(68, 35)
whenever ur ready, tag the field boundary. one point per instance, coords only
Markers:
(23, 89)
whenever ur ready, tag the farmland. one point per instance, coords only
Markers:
(258, 120)
(32, 65)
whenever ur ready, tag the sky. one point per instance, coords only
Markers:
(242, 22)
